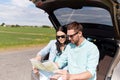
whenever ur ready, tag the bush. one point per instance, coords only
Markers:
(45, 26)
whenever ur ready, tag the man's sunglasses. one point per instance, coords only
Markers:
(71, 36)
(62, 36)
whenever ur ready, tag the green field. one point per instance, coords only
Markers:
(25, 36)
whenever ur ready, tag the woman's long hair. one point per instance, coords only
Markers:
(58, 44)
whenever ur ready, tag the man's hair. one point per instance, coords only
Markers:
(75, 26)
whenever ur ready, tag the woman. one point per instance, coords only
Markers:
(54, 47)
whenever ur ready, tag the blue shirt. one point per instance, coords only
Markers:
(51, 49)
(80, 58)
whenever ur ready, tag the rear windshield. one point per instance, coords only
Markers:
(84, 15)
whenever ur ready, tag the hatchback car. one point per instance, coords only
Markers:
(101, 22)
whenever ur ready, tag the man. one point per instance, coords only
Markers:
(81, 56)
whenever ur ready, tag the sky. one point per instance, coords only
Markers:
(22, 12)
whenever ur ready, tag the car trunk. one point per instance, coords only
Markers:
(107, 38)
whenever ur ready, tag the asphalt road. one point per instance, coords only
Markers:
(15, 64)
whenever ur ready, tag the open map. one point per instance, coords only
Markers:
(45, 66)
(46, 69)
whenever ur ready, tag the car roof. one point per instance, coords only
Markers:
(113, 6)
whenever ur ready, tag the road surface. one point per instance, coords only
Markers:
(15, 64)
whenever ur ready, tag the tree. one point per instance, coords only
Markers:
(2, 24)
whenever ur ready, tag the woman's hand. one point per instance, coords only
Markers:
(35, 70)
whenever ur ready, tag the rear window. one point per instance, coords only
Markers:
(84, 15)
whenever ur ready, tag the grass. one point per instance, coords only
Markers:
(25, 36)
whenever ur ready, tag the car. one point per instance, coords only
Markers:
(101, 22)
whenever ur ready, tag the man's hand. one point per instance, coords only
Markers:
(60, 74)
(55, 77)
(64, 74)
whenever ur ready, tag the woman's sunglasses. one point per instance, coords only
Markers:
(62, 36)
